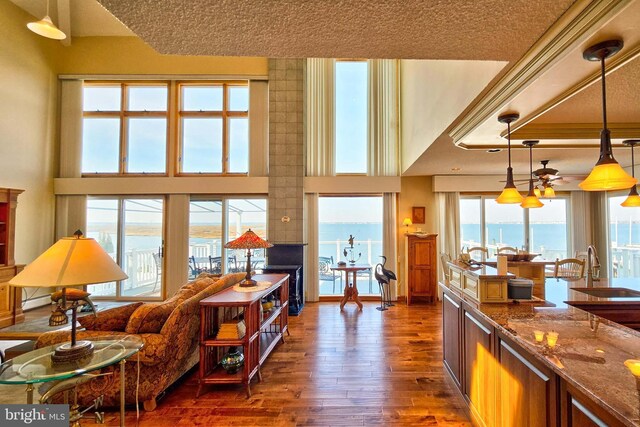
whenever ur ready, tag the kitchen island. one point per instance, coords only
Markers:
(508, 378)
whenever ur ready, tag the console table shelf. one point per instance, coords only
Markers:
(263, 330)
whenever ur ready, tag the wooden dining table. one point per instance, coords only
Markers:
(350, 288)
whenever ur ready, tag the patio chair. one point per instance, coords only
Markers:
(326, 274)
(232, 264)
(215, 264)
(569, 268)
(366, 273)
(157, 259)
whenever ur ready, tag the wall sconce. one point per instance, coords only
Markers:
(407, 222)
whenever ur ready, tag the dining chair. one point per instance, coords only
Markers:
(444, 259)
(482, 252)
(569, 268)
(507, 250)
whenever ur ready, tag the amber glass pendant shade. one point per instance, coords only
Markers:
(537, 192)
(607, 173)
(509, 196)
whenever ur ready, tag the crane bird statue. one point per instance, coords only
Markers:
(384, 277)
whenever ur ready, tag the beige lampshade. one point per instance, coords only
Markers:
(71, 261)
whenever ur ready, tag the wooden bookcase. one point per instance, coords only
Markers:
(263, 330)
(10, 297)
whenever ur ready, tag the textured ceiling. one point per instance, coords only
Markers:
(427, 29)
(88, 17)
(623, 87)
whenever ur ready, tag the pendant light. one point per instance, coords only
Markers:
(633, 199)
(537, 192)
(510, 194)
(531, 201)
(46, 28)
(607, 174)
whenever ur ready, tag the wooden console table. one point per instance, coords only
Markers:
(263, 329)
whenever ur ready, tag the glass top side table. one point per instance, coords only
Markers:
(36, 367)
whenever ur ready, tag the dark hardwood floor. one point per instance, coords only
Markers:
(336, 369)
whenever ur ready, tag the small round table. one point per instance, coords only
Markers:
(36, 367)
(350, 289)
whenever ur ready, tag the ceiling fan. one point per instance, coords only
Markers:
(548, 177)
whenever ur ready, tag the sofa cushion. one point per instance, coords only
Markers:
(149, 318)
(200, 283)
(113, 319)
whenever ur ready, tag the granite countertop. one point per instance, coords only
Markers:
(591, 359)
(481, 271)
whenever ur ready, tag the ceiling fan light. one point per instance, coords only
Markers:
(537, 192)
(531, 202)
(632, 200)
(46, 28)
(549, 192)
(608, 177)
(510, 195)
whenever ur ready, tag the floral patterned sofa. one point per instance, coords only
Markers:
(169, 330)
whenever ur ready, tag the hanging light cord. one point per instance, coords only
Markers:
(509, 142)
(531, 166)
(633, 163)
(604, 94)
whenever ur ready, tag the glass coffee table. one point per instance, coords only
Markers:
(36, 367)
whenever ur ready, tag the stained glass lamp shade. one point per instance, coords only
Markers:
(249, 240)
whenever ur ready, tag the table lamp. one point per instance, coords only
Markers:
(407, 222)
(71, 261)
(249, 240)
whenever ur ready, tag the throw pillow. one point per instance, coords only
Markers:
(114, 319)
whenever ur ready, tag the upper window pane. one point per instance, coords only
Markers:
(202, 145)
(239, 145)
(202, 98)
(147, 98)
(100, 145)
(147, 145)
(238, 98)
(504, 225)
(351, 116)
(101, 98)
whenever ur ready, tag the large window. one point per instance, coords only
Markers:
(125, 128)
(342, 217)
(624, 238)
(215, 221)
(214, 123)
(128, 128)
(130, 230)
(351, 111)
(483, 222)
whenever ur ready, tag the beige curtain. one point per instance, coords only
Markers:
(580, 215)
(319, 116)
(448, 226)
(600, 229)
(389, 237)
(383, 117)
(311, 281)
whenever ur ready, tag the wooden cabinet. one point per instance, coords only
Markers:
(10, 297)
(526, 390)
(263, 330)
(479, 364)
(421, 267)
(578, 411)
(451, 339)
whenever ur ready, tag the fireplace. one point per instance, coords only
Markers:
(288, 258)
